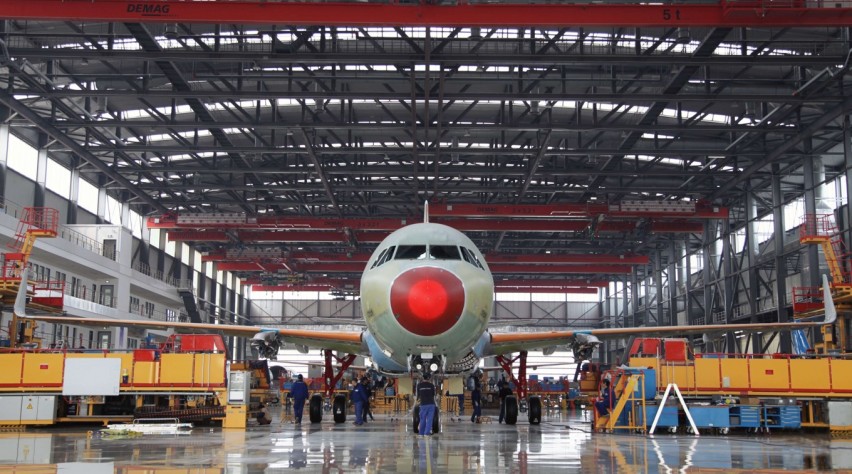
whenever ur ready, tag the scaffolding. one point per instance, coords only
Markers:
(820, 229)
(46, 295)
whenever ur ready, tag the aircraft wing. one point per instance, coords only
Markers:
(347, 341)
(587, 339)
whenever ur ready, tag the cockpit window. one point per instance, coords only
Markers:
(444, 252)
(386, 255)
(380, 257)
(470, 257)
(411, 252)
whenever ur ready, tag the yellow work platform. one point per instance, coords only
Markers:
(141, 370)
(754, 375)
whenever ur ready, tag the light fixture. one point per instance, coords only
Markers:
(170, 31)
(683, 36)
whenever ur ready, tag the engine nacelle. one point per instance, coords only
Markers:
(583, 346)
(267, 344)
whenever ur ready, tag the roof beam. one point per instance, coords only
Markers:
(726, 13)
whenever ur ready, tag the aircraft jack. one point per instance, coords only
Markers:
(522, 404)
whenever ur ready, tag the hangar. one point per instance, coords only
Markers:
(617, 164)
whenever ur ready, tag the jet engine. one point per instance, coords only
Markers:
(266, 344)
(583, 346)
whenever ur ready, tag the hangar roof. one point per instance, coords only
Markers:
(570, 151)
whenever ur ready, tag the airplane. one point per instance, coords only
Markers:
(427, 297)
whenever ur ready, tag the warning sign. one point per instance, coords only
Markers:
(29, 406)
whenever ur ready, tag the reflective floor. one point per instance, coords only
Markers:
(562, 443)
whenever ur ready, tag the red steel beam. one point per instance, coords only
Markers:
(364, 257)
(568, 269)
(199, 235)
(552, 283)
(366, 224)
(677, 227)
(569, 259)
(295, 287)
(222, 256)
(349, 283)
(616, 226)
(333, 282)
(521, 289)
(749, 13)
(357, 267)
(534, 289)
(257, 236)
(553, 211)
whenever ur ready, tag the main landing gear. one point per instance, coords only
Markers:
(520, 404)
(337, 404)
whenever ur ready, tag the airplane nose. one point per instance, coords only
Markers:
(427, 301)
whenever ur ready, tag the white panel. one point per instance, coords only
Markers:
(46, 408)
(85, 468)
(29, 408)
(840, 413)
(10, 408)
(91, 376)
(26, 448)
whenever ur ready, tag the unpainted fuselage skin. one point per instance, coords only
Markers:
(457, 336)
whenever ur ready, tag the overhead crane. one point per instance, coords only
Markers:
(396, 13)
(278, 266)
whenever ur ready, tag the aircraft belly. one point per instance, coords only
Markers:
(453, 344)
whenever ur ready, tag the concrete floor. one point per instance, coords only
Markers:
(562, 443)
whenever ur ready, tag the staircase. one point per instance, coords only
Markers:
(190, 304)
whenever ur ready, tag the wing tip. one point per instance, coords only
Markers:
(828, 301)
(20, 307)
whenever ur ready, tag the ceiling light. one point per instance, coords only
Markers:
(170, 31)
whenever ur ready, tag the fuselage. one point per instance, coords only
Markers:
(426, 290)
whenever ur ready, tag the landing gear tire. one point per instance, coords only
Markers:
(315, 408)
(339, 408)
(535, 410)
(436, 421)
(415, 423)
(512, 410)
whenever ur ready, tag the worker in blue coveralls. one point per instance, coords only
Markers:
(359, 398)
(426, 396)
(299, 393)
(604, 405)
(476, 401)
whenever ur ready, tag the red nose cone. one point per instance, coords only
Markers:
(427, 301)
